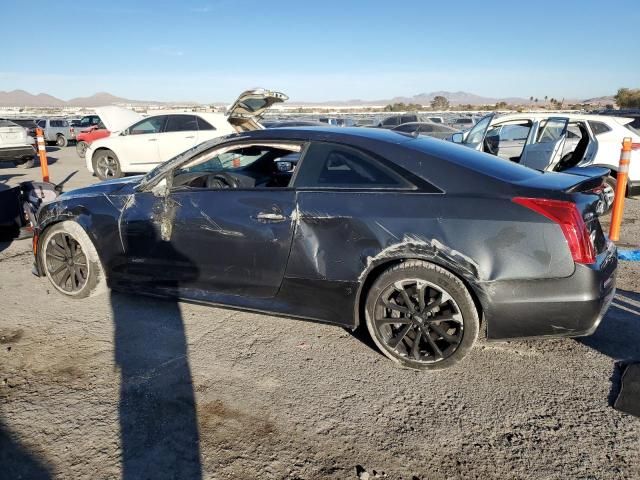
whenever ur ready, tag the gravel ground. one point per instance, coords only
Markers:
(125, 386)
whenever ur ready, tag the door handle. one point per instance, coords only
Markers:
(191, 136)
(153, 139)
(271, 217)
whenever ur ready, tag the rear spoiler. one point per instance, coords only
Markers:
(572, 180)
(594, 177)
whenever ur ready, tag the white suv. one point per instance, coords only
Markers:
(557, 142)
(141, 146)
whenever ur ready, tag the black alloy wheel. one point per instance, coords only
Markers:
(418, 321)
(66, 263)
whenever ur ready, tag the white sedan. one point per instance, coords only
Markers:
(558, 142)
(141, 146)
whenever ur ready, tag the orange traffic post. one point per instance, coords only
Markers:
(42, 154)
(621, 189)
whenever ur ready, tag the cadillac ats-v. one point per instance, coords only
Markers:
(423, 241)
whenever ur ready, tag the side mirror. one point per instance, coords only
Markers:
(457, 138)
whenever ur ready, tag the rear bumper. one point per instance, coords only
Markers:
(16, 153)
(633, 189)
(571, 306)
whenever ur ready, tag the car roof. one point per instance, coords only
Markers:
(570, 116)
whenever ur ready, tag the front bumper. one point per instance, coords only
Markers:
(571, 306)
(16, 153)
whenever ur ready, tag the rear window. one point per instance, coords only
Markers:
(7, 123)
(598, 128)
(491, 165)
(629, 126)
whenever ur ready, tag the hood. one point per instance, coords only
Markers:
(117, 118)
(103, 188)
(250, 105)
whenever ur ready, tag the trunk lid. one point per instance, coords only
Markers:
(12, 134)
(250, 105)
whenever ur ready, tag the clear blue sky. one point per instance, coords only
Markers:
(319, 50)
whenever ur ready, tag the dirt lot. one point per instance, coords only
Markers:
(123, 386)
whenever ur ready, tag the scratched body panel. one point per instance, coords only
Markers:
(311, 253)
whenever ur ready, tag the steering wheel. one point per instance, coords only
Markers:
(222, 180)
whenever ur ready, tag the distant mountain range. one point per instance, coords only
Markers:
(21, 98)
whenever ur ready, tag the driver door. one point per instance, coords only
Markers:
(205, 241)
(544, 152)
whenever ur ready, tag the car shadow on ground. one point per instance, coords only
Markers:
(157, 409)
(17, 462)
(618, 337)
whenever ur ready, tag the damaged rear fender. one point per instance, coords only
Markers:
(466, 272)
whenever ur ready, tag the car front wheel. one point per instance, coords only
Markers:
(70, 260)
(421, 316)
(106, 165)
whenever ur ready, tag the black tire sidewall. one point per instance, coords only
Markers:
(94, 267)
(443, 279)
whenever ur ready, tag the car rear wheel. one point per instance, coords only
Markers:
(81, 148)
(61, 141)
(106, 165)
(26, 162)
(421, 316)
(70, 260)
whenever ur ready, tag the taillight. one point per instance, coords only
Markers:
(567, 216)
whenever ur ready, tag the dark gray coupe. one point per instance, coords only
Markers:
(424, 241)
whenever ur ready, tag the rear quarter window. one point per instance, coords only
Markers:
(484, 163)
(598, 128)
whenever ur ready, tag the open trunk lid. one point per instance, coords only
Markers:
(250, 105)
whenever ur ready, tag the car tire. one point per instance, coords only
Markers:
(106, 165)
(445, 322)
(61, 141)
(81, 148)
(70, 261)
(27, 162)
(613, 183)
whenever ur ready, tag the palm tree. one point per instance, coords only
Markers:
(545, 99)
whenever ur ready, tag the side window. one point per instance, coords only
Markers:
(203, 124)
(391, 121)
(405, 128)
(426, 128)
(148, 125)
(408, 118)
(551, 130)
(95, 120)
(181, 123)
(476, 134)
(41, 123)
(327, 165)
(64, 123)
(513, 133)
(598, 128)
